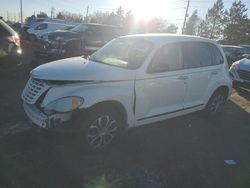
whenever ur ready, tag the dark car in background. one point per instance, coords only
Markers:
(83, 39)
(240, 72)
(44, 37)
(233, 53)
(10, 48)
(246, 48)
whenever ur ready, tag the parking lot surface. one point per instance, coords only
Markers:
(189, 151)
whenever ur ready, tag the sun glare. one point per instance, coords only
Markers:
(145, 10)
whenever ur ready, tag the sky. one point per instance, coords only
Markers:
(172, 10)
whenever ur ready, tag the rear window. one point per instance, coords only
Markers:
(196, 54)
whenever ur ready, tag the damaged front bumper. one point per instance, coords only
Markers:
(45, 121)
(50, 50)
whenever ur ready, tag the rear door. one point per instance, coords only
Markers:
(160, 91)
(201, 72)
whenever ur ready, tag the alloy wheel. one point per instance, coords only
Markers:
(102, 131)
(217, 103)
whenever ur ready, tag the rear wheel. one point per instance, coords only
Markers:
(215, 104)
(100, 128)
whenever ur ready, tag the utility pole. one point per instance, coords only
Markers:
(21, 10)
(87, 14)
(186, 15)
(52, 12)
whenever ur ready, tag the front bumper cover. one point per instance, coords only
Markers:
(42, 120)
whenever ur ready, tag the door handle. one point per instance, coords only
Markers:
(214, 72)
(182, 77)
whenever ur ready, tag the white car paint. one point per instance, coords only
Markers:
(51, 26)
(145, 97)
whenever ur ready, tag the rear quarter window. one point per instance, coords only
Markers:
(217, 56)
(196, 54)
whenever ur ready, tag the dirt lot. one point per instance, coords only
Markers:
(177, 153)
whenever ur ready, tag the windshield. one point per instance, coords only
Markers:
(80, 28)
(124, 53)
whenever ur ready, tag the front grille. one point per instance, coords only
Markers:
(51, 37)
(244, 75)
(33, 90)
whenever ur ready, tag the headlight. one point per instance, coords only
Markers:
(233, 71)
(62, 105)
(234, 66)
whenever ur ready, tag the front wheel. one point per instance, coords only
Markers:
(215, 104)
(100, 128)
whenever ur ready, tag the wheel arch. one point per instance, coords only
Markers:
(224, 88)
(112, 104)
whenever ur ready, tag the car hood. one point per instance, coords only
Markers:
(243, 64)
(65, 35)
(80, 69)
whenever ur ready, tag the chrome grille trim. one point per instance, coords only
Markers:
(33, 90)
(244, 75)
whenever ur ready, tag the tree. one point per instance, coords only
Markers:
(237, 30)
(29, 19)
(119, 16)
(42, 15)
(172, 28)
(102, 18)
(237, 12)
(69, 16)
(128, 23)
(192, 24)
(213, 25)
(60, 15)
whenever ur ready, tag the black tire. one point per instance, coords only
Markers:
(100, 128)
(215, 104)
(236, 85)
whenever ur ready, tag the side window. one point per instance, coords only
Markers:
(41, 27)
(167, 58)
(92, 31)
(196, 54)
(217, 57)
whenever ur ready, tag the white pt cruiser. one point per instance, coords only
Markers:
(132, 81)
